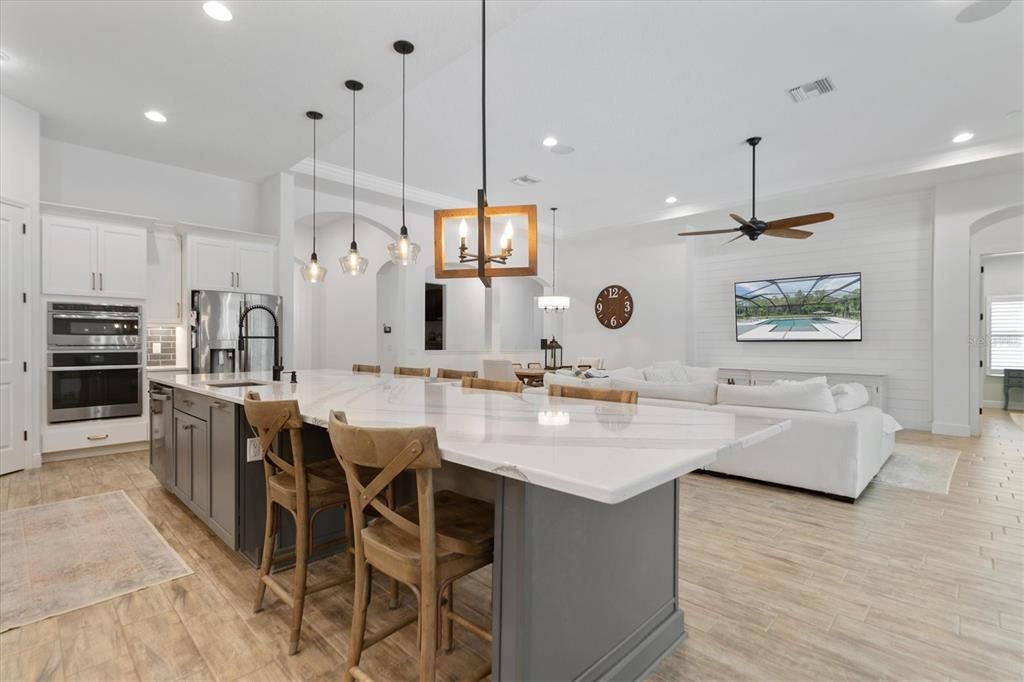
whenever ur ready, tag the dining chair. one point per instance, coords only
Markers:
(366, 369)
(502, 370)
(534, 365)
(493, 384)
(427, 544)
(607, 394)
(411, 371)
(443, 373)
(302, 489)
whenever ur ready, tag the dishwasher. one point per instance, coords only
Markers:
(161, 432)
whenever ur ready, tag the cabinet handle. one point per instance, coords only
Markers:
(238, 280)
(217, 403)
(93, 287)
(100, 436)
(187, 403)
(101, 281)
(178, 308)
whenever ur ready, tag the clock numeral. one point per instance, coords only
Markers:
(599, 307)
(613, 292)
(628, 306)
(614, 322)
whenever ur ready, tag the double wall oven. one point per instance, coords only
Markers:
(94, 358)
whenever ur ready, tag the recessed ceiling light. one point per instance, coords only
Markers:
(216, 10)
(671, 200)
(549, 142)
(156, 117)
(963, 137)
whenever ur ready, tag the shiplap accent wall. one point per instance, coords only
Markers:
(888, 240)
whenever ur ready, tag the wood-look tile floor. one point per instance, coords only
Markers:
(776, 585)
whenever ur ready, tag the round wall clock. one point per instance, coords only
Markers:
(614, 306)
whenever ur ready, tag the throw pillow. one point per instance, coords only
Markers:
(850, 396)
(663, 374)
(701, 373)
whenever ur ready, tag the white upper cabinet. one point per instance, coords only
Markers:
(163, 303)
(232, 266)
(83, 258)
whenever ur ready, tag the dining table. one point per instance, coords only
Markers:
(587, 526)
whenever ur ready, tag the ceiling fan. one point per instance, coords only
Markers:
(755, 227)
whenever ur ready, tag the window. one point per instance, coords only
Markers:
(1005, 333)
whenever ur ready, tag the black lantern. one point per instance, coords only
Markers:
(552, 354)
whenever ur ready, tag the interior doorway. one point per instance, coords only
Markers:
(14, 351)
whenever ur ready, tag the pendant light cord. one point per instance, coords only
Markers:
(314, 185)
(753, 181)
(483, 89)
(403, 141)
(554, 244)
(353, 166)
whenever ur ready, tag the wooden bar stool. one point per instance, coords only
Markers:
(427, 545)
(443, 373)
(411, 371)
(534, 365)
(303, 491)
(608, 394)
(492, 384)
(366, 369)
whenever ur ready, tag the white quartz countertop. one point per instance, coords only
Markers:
(608, 452)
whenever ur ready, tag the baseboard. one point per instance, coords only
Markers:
(998, 404)
(941, 429)
(99, 451)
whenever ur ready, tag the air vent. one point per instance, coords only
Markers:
(525, 180)
(817, 88)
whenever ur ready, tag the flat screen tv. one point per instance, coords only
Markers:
(814, 308)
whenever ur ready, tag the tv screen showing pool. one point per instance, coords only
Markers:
(815, 308)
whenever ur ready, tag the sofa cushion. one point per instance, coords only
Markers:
(694, 391)
(812, 380)
(660, 374)
(813, 397)
(850, 396)
(674, 366)
(550, 379)
(701, 373)
(624, 373)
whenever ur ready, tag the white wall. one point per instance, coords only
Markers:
(648, 261)
(93, 178)
(1004, 275)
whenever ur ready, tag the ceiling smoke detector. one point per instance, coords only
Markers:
(815, 88)
(525, 180)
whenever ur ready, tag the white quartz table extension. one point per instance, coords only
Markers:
(607, 452)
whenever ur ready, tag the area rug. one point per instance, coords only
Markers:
(62, 556)
(920, 467)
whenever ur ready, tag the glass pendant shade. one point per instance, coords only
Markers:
(312, 271)
(353, 264)
(551, 304)
(404, 251)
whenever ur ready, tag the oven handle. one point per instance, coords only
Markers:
(90, 315)
(91, 367)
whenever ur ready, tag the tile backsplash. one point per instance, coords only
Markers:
(167, 356)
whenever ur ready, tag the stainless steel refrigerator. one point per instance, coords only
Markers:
(214, 332)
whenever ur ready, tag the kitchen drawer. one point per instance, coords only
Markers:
(192, 403)
(96, 433)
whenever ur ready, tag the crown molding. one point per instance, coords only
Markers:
(375, 183)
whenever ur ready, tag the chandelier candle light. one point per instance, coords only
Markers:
(553, 303)
(313, 272)
(353, 263)
(403, 251)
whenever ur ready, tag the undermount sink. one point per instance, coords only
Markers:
(234, 384)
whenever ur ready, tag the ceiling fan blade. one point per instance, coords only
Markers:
(789, 234)
(796, 221)
(731, 229)
(740, 219)
(739, 236)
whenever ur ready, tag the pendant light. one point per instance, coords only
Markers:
(313, 272)
(553, 303)
(353, 263)
(403, 251)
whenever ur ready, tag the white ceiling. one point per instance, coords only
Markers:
(656, 97)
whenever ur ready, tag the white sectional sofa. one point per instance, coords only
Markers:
(828, 449)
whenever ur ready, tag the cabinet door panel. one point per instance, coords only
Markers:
(222, 470)
(257, 269)
(163, 290)
(182, 483)
(121, 263)
(201, 467)
(212, 264)
(69, 257)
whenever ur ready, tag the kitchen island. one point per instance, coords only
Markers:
(584, 582)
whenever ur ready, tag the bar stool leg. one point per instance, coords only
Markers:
(428, 632)
(269, 540)
(301, 566)
(360, 604)
(447, 625)
(389, 496)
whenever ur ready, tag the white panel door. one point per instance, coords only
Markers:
(69, 257)
(211, 264)
(163, 290)
(257, 269)
(14, 320)
(121, 262)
